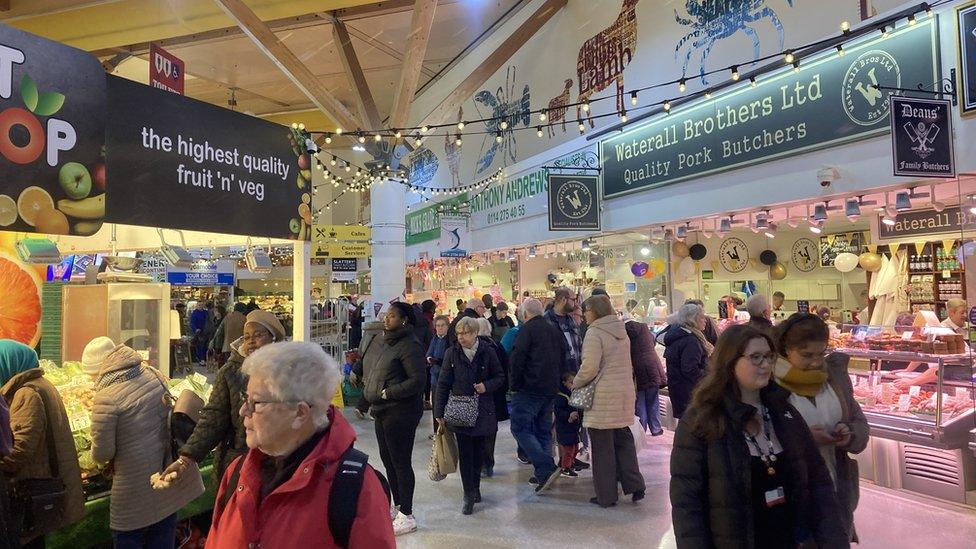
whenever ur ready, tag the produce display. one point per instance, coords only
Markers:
(917, 343)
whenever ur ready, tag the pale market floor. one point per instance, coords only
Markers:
(512, 515)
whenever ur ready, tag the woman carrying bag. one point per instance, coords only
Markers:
(470, 369)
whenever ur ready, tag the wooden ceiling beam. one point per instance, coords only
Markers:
(413, 61)
(296, 71)
(495, 61)
(354, 74)
(388, 50)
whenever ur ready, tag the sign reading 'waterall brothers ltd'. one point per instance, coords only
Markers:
(831, 100)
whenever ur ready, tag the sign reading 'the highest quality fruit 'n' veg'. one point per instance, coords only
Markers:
(52, 133)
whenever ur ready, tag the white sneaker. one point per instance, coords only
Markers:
(404, 524)
(394, 511)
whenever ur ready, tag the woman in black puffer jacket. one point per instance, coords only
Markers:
(394, 387)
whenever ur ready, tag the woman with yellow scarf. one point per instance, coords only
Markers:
(821, 391)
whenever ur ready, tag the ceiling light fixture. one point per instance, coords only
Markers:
(936, 205)
(725, 225)
(852, 209)
(820, 212)
(903, 202)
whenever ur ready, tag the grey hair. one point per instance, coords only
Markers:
(532, 307)
(686, 315)
(297, 371)
(955, 303)
(484, 327)
(468, 324)
(474, 303)
(757, 305)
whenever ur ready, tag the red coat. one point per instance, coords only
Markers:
(298, 509)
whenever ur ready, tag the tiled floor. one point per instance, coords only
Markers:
(513, 516)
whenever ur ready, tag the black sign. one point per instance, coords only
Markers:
(52, 129)
(344, 265)
(179, 163)
(966, 38)
(574, 203)
(831, 100)
(926, 223)
(833, 245)
(802, 306)
(921, 137)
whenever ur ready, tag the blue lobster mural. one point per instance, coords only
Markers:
(504, 104)
(423, 166)
(714, 20)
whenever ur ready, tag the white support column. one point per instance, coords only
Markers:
(387, 212)
(302, 290)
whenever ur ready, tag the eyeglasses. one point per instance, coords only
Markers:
(250, 405)
(758, 358)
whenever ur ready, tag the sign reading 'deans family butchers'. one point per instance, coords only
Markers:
(831, 100)
(921, 137)
(52, 131)
(179, 163)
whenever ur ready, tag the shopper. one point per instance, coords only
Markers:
(606, 362)
(498, 396)
(686, 355)
(394, 388)
(460, 304)
(500, 322)
(778, 299)
(470, 368)
(568, 420)
(280, 493)
(198, 328)
(475, 309)
(36, 410)
(648, 375)
(424, 329)
(745, 471)
(537, 363)
(711, 326)
(821, 390)
(760, 313)
(354, 311)
(220, 425)
(508, 340)
(435, 357)
(130, 430)
(230, 329)
(564, 303)
(429, 309)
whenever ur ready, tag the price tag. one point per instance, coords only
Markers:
(199, 378)
(914, 390)
(79, 422)
(946, 273)
(907, 335)
(904, 402)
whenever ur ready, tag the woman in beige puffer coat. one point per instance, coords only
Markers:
(606, 361)
(130, 430)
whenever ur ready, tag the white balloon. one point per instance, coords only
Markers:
(846, 262)
(686, 268)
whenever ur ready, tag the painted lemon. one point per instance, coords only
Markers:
(8, 211)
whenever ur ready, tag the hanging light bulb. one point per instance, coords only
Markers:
(667, 105)
(752, 81)
(328, 139)
(498, 137)
(542, 116)
(633, 98)
(582, 127)
(361, 138)
(460, 125)
(538, 131)
(424, 129)
(788, 56)
(623, 117)
(503, 125)
(708, 94)
(378, 138)
(338, 131)
(911, 21)
(333, 161)
(681, 85)
(419, 141)
(884, 31)
(457, 140)
(735, 73)
(585, 106)
(398, 135)
(796, 66)
(840, 50)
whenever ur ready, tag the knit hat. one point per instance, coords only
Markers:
(268, 321)
(95, 353)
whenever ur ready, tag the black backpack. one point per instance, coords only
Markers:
(343, 496)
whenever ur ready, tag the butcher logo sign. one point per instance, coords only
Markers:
(864, 102)
(921, 137)
(573, 203)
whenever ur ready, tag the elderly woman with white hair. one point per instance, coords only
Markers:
(686, 354)
(289, 485)
(760, 311)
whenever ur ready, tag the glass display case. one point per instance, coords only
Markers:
(914, 383)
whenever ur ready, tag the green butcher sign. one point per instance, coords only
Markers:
(425, 224)
(831, 100)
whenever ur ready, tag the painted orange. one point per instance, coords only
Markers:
(20, 309)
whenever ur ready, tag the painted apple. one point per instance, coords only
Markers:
(303, 162)
(98, 176)
(75, 180)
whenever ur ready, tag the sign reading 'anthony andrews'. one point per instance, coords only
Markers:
(831, 100)
(574, 202)
(921, 137)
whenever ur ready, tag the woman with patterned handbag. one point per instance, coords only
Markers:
(470, 369)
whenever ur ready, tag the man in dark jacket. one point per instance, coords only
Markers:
(648, 375)
(536, 366)
(564, 303)
(475, 309)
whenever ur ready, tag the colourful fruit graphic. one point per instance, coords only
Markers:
(31, 201)
(307, 198)
(307, 174)
(51, 221)
(87, 228)
(303, 162)
(8, 211)
(28, 153)
(98, 175)
(294, 225)
(301, 182)
(305, 213)
(20, 309)
(89, 208)
(75, 180)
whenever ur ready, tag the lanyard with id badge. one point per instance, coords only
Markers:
(775, 496)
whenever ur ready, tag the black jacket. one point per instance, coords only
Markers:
(221, 425)
(686, 363)
(394, 362)
(452, 329)
(422, 329)
(537, 359)
(566, 433)
(648, 372)
(501, 402)
(711, 481)
(459, 376)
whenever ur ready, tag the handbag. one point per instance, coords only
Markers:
(582, 397)
(41, 501)
(461, 410)
(445, 451)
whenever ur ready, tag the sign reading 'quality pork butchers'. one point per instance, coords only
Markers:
(831, 100)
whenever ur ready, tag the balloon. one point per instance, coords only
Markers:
(658, 265)
(686, 268)
(697, 252)
(845, 262)
(650, 274)
(777, 271)
(679, 249)
(639, 269)
(767, 257)
(870, 262)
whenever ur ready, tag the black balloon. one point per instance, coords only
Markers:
(697, 252)
(767, 257)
